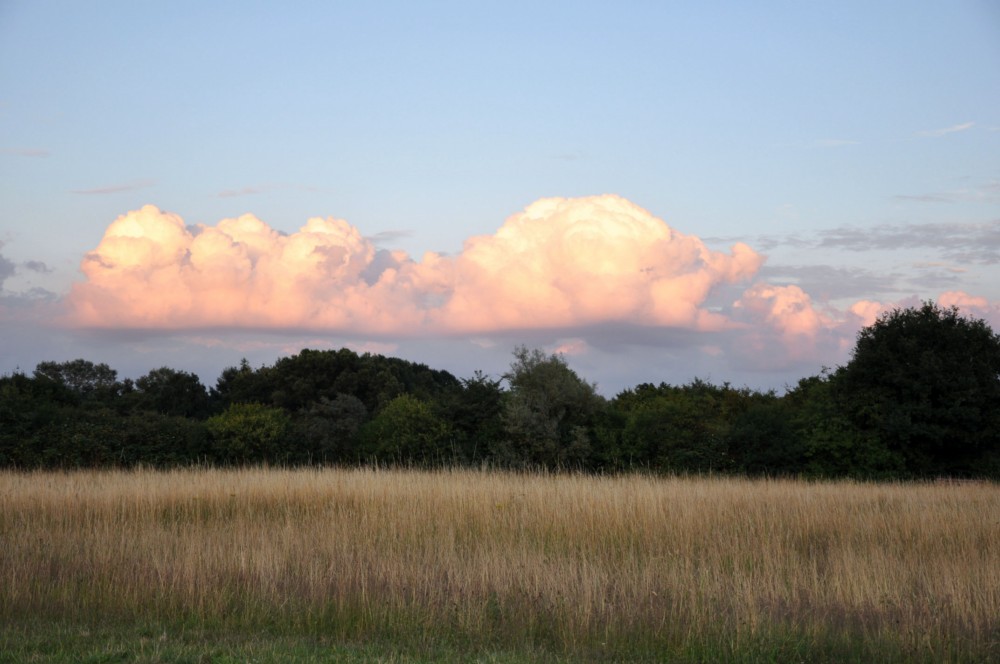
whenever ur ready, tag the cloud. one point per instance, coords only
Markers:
(988, 192)
(788, 309)
(37, 153)
(559, 263)
(826, 282)
(925, 198)
(33, 304)
(936, 133)
(588, 277)
(569, 347)
(37, 266)
(974, 306)
(246, 191)
(969, 243)
(7, 269)
(570, 262)
(784, 330)
(389, 236)
(114, 188)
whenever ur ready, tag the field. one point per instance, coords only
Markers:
(359, 565)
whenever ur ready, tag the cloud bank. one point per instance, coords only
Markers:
(561, 265)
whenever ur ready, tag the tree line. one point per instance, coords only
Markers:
(919, 398)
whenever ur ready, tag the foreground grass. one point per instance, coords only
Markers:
(359, 565)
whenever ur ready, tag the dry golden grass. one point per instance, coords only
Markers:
(627, 566)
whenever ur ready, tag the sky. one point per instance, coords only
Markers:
(659, 191)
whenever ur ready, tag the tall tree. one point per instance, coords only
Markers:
(173, 392)
(926, 382)
(407, 431)
(549, 413)
(81, 376)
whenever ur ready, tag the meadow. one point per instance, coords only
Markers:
(260, 564)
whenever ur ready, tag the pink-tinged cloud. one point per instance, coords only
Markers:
(974, 306)
(787, 309)
(963, 300)
(867, 311)
(783, 326)
(565, 262)
(26, 152)
(559, 263)
(150, 271)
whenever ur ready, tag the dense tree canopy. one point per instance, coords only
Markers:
(926, 382)
(548, 414)
(920, 397)
(171, 392)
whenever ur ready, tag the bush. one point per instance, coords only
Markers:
(407, 431)
(249, 433)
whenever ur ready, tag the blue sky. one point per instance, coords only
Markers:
(855, 145)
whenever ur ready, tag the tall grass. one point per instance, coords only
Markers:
(625, 567)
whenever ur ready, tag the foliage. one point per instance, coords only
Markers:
(82, 377)
(172, 392)
(406, 431)
(249, 432)
(925, 382)
(327, 429)
(474, 414)
(920, 397)
(295, 382)
(548, 413)
(681, 429)
(828, 441)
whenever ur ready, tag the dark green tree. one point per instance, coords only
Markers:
(762, 440)
(172, 392)
(549, 413)
(474, 416)
(250, 433)
(406, 431)
(828, 441)
(84, 378)
(28, 405)
(327, 429)
(925, 381)
(681, 428)
(294, 382)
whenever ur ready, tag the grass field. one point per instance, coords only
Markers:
(361, 565)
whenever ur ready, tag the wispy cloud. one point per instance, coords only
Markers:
(115, 188)
(252, 190)
(959, 242)
(954, 129)
(925, 198)
(826, 282)
(388, 236)
(988, 192)
(26, 152)
(971, 243)
(38, 266)
(7, 269)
